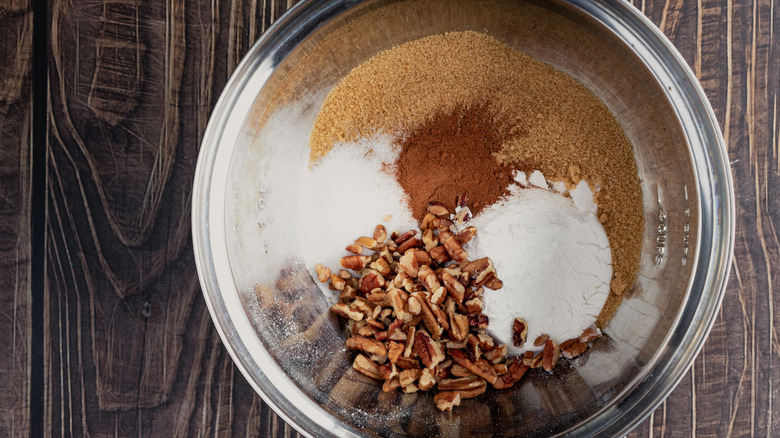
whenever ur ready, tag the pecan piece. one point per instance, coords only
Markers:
(409, 376)
(478, 321)
(323, 273)
(348, 294)
(414, 306)
(481, 367)
(371, 280)
(453, 246)
(367, 242)
(446, 400)
(368, 345)
(367, 366)
(541, 340)
(382, 266)
(388, 371)
(439, 255)
(408, 262)
(430, 352)
(337, 283)
(473, 352)
(410, 243)
(550, 355)
(355, 262)
(391, 385)
(494, 283)
(437, 209)
(430, 241)
(575, 350)
(465, 383)
(428, 317)
(454, 287)
(396, 297)
(407, 363)
(515, 371)
(495, 355)
(465, 235)
(519, 332)
(355, 249)
(394, 351)
(590, 333)
(422, 257)
(501, 369)
(380, 233)
(345, 311)
(426, 380)
(428, 278)
(458, 370)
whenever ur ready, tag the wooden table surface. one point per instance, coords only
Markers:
(103, 104)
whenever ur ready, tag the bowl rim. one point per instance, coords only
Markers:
(710, 165)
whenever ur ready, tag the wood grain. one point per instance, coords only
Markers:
(129, 346)
(15, 187)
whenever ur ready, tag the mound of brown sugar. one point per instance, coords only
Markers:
(544, 118)
(450, 154)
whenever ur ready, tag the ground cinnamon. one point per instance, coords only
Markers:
(452, 153)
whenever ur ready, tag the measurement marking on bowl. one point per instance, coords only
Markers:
(660, 239)
(686, 228)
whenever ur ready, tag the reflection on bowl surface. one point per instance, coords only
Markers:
(272, 315)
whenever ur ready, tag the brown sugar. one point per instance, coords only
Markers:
(543, 118)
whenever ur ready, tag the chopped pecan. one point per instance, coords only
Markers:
(410, 388)
(394, 351)
(404, 237)
(430, 241)
(348, 294)
(391, 385)
(515, 371)
(428, 278)
(368, 330)
(323, 273)
(380, 233)
(426, 380)
(528, 358)
(407, 363)
(414, 306)
(550, 355)
(388, 371)
(430, 352)
(439, 295)
(422, 257)
(367, 367)
(473, 352)
(474, 305)
(396, 297)
(590, 333)
(381, 266)
(345, 311)
(486, 342)
(371, 346)
(437, 209)
(465, 383)
(410, 334)
(519, 332)
(459, 370)
(443, 370)
(428, 317)
(567, 343)
(501, 369)
(446, 400)
(409, 376)
(367, 242)
(378, 297)
(575, 350)
(337, 283)
(465, 235)
(355, 262)
(442, 224)
(453, 246)
(439, 255)
(427, 221)
(408, 262)
(541, 340)
(355, 249)
(456, 289)
(478, 321)
(412, 242)
(370, 280)
(494, 283)
(459, 326)
(495, 355)
(481, 367)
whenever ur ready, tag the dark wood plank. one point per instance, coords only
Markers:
(731, 390)
(129, 346)
(15, 189)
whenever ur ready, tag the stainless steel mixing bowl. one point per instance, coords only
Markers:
(279, 333)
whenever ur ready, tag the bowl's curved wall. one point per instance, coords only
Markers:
(294, 356)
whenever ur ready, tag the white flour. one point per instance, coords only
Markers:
(553, 258)
(346, 195)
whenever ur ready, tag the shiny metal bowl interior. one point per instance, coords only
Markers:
(293, 356)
